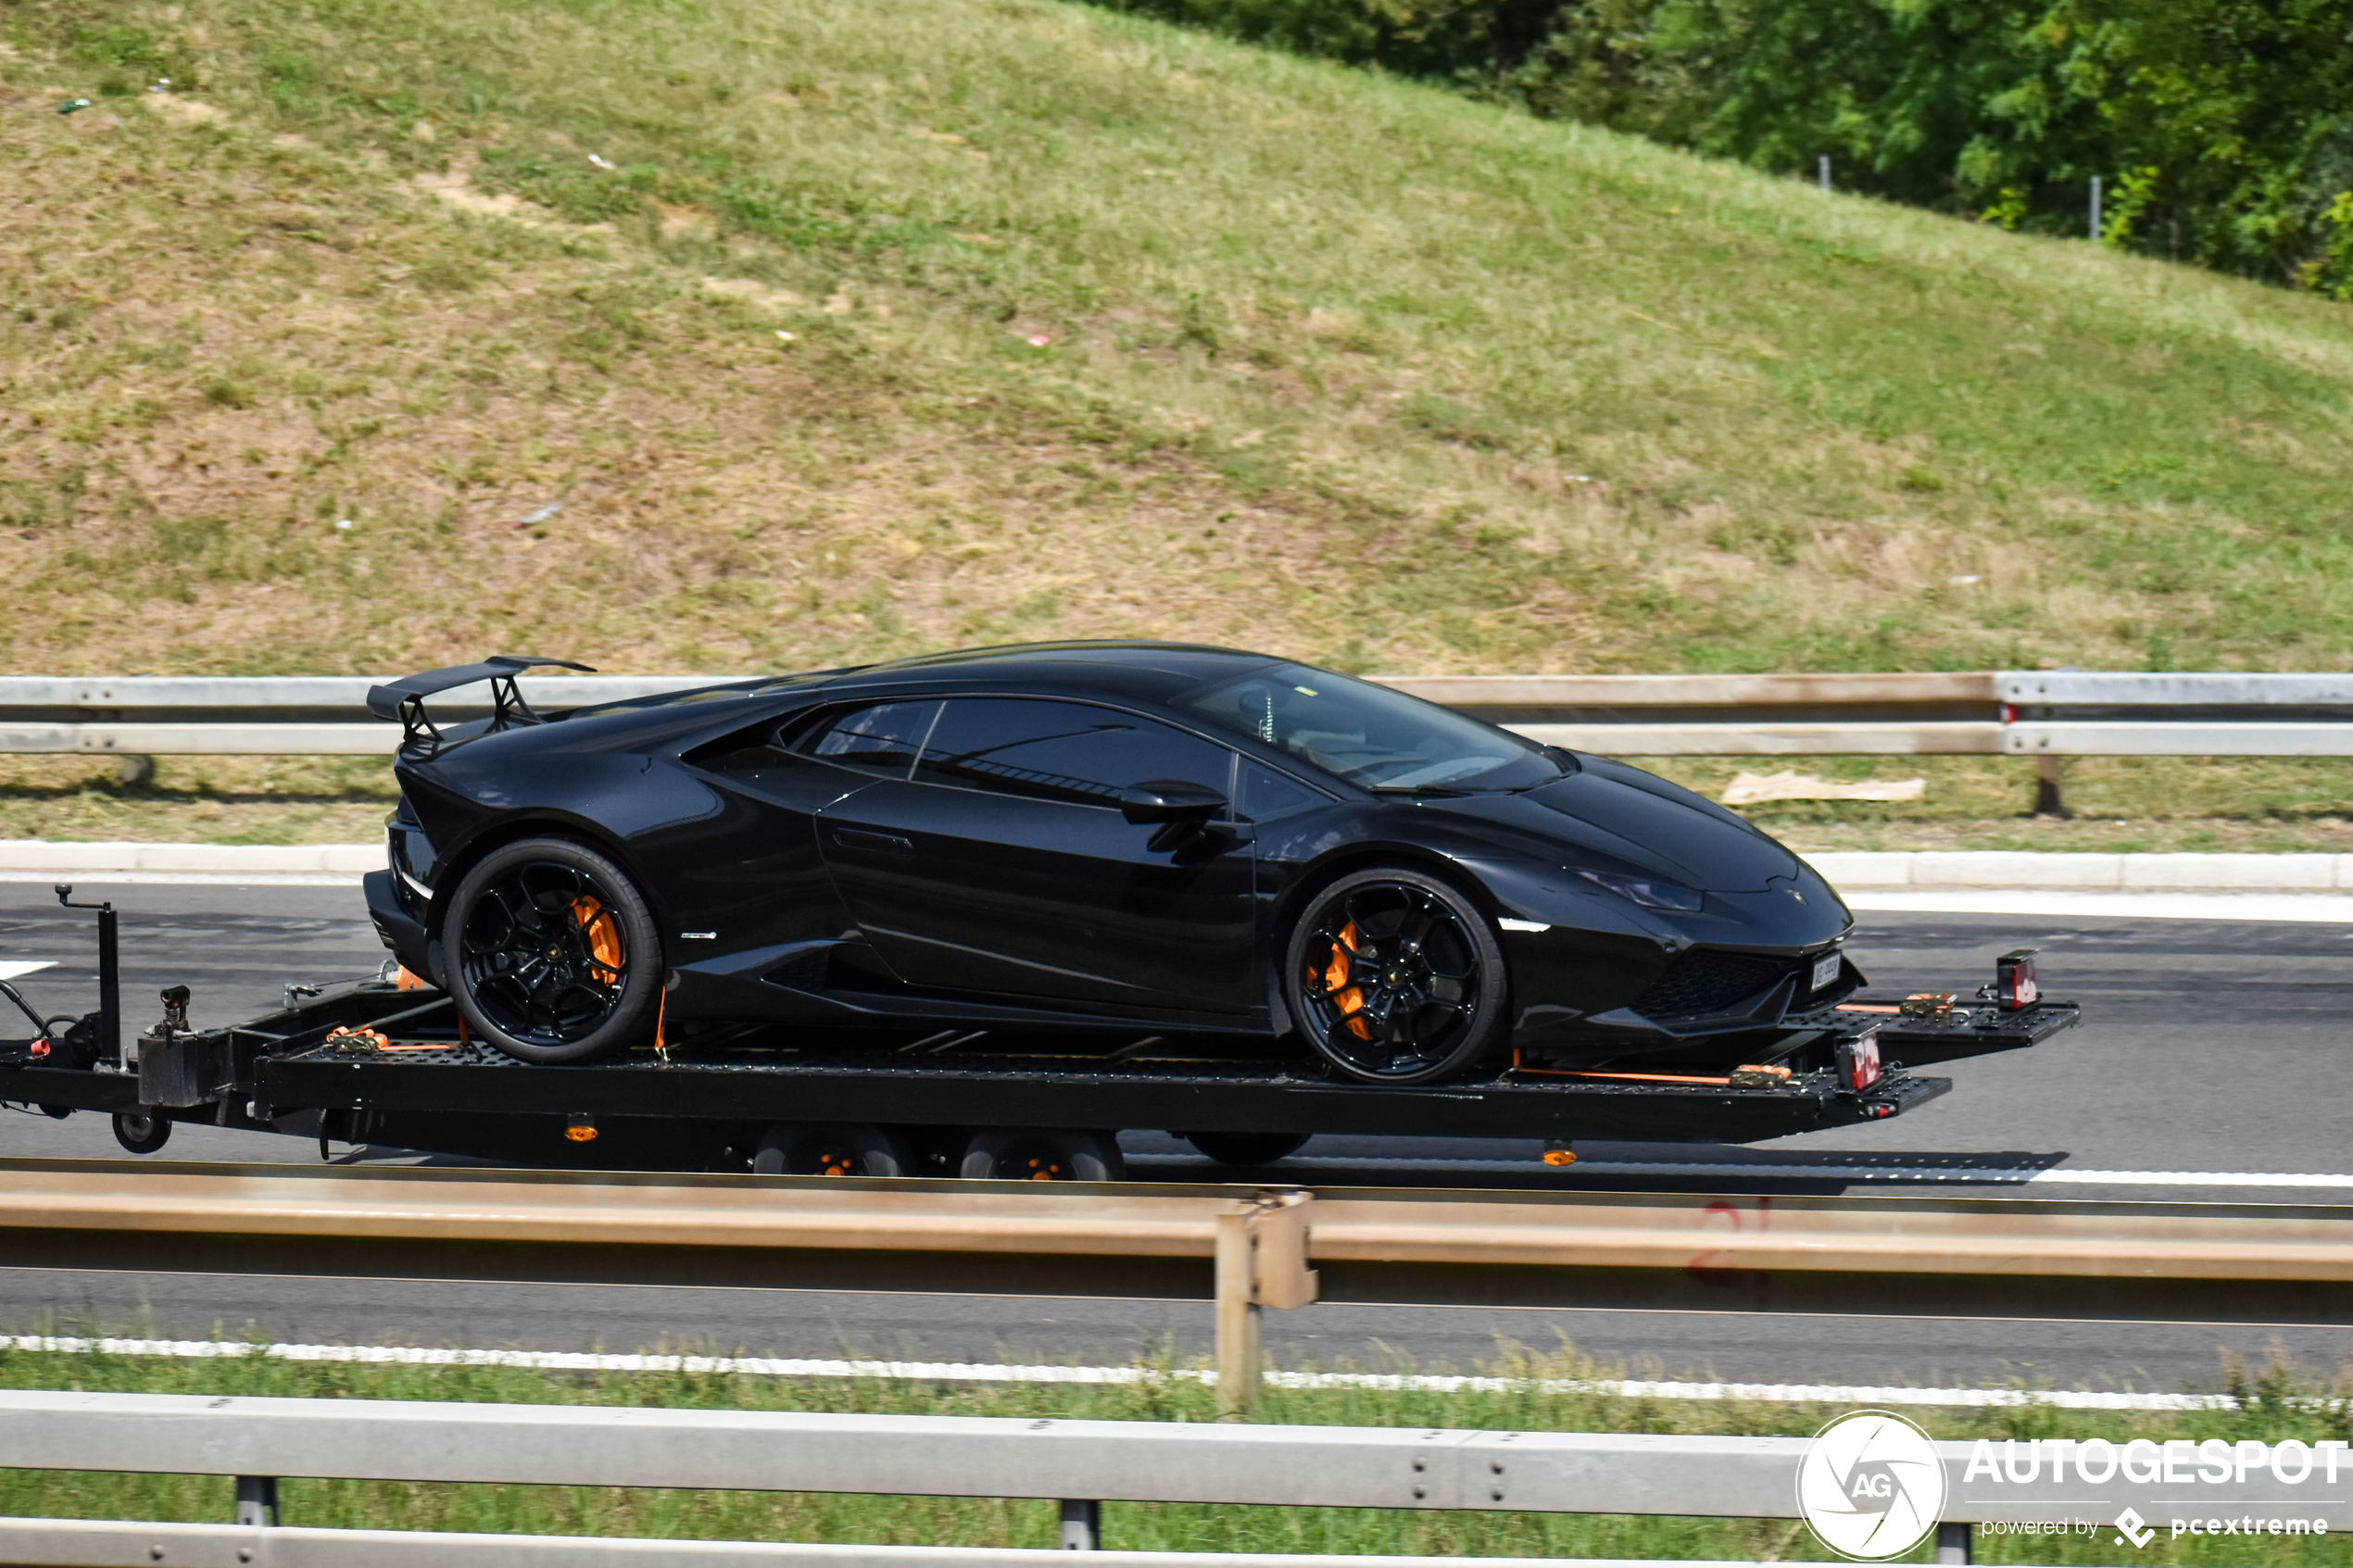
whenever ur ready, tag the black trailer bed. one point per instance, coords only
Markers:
(1013, 1092)
(303, 1070)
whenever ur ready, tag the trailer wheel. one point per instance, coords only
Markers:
(1395, 977)
(142, 1132)
(804, 1148)
(1246, 1148)
(1043, 1154)
(554, 953)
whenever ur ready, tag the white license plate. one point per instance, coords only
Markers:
(1826, 970)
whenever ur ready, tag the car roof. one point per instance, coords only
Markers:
(1151, 670)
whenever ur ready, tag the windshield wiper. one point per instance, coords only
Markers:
(1444, 791)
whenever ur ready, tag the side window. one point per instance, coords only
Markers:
(1266, 794)
(1068, 751)
(882, 740)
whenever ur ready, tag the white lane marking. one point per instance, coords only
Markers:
(2008, 1176)
(88, 879)
(986, 1371)
(17, 969)
(2319, 908)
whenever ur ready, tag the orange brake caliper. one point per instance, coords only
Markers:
(1349, 999)
(604, 933)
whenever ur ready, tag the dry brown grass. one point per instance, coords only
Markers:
(252, 344)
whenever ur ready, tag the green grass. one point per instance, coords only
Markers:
(2271, 1410)
(1331, 364)
(198, 799)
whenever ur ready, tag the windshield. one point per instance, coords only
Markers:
(1372, 737)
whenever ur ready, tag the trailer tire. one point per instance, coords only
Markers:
(1043, 1154)
(810, 1149)
(1246, 1148)
(142, 1132)
(1395, 976)
(552, 954)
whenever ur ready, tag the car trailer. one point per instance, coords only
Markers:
(386, 1060)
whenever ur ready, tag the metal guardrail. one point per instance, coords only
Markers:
(1079, 1464)
(78, 1543)
(1243, 1248)
(2036, 713)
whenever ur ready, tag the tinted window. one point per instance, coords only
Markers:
(882, 739)
(1370, 735)
(1062, 751)
(1266, 794)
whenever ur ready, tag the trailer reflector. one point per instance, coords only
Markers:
(1858, 1063)
(2014, 981)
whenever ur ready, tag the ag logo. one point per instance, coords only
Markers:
(1872, 1486)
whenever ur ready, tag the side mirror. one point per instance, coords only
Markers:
(1171, 800)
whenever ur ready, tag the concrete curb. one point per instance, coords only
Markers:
(68, 858)
(1856, 870)
(2127, 873)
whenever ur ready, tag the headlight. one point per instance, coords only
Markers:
(1652, 892)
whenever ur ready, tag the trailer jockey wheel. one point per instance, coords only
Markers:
(142, 1132)
(1043, 1154)
(804, 1149)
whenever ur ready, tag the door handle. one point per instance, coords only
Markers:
(864, 838)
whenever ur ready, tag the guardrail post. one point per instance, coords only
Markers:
(1952, 1542)
(2048, 802)
(256, 1501)
(1082, 1525)
(1261, 1262)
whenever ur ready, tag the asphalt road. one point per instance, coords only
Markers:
(2211, 1050)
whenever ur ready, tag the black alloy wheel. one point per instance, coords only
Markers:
(1395, 977)
(555, 953)
(797, 1148)
(1246, 1148)
(1043, 1154)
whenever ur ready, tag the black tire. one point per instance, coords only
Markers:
(1246, 1148)
(552, 953)
(810, 1149)
(1043, 1154)
(1395, 977)
(56, 1113)
(142, 1132)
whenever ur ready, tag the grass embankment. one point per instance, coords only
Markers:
(1332, 364)
(1011, 320)
(2268, 1413)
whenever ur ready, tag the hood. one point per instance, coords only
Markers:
(1641, 821)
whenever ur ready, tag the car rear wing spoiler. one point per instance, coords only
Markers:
(405, 699)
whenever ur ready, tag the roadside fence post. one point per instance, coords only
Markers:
(2048, 801)
(1261, 1262)
(1952, 1542)
(1082, 1525)
(1822, 167)
(2095, 209)
(256, 1501)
